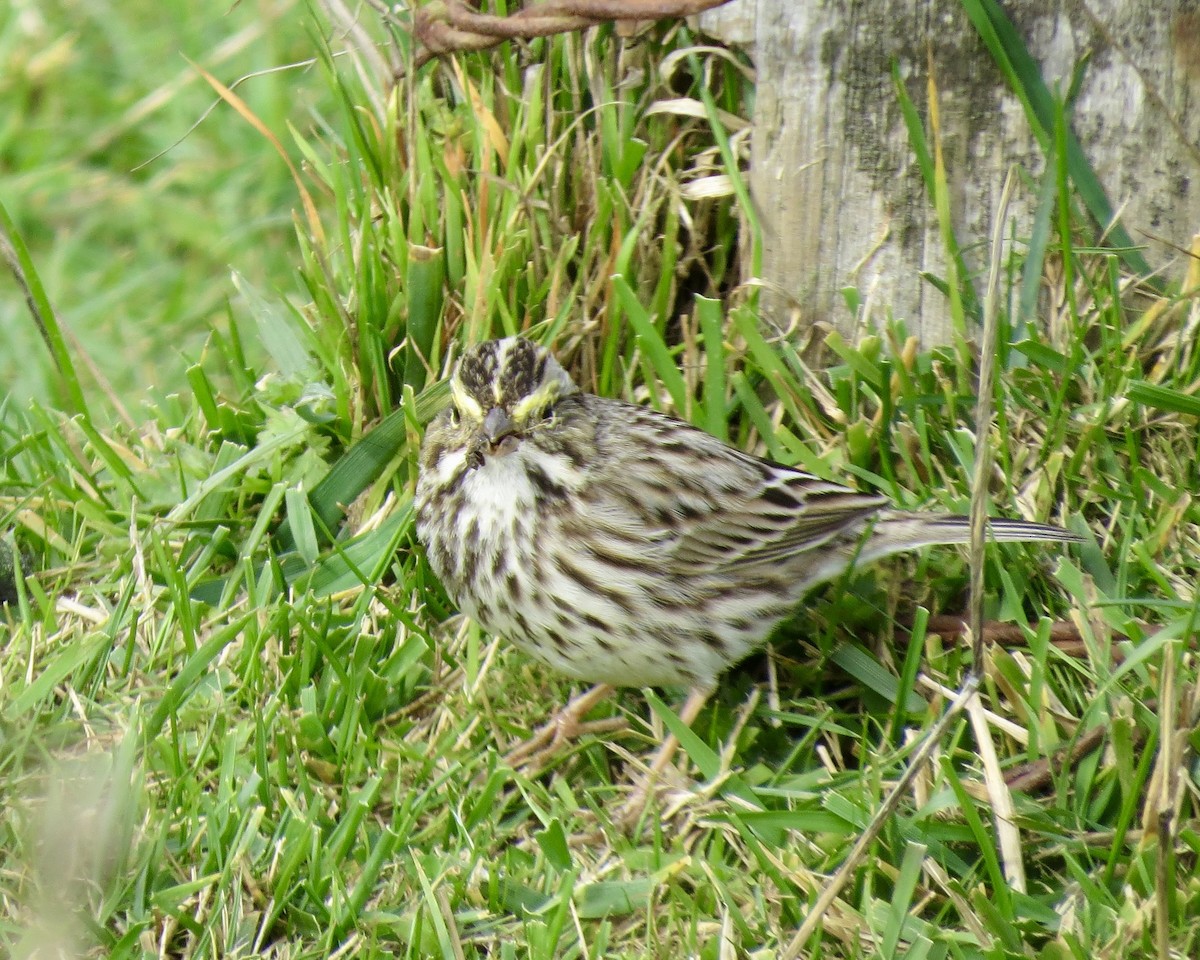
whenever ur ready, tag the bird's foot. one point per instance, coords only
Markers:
(630, 817)
(566, 725)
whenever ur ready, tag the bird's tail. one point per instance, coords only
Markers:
(895, 531)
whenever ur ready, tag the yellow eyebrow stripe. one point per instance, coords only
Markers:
(535, 401)
(466, 403)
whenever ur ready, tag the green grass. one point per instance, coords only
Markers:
(135, 200)
(238, 720)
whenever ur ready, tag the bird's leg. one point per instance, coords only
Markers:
(632, 812)
(566, 724)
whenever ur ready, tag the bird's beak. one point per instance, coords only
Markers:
(497, 425)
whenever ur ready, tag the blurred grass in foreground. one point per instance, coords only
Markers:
(136, 252)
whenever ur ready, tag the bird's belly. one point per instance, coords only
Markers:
(621, 657)
(613, 632)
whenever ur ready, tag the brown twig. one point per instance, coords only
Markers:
(1063, 635)
(1035, 775)
(446, 26)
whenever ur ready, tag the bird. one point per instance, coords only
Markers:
(622, 546)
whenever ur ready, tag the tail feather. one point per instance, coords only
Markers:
(958, 530)
(896, 532)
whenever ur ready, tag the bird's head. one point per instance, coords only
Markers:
(503, 391)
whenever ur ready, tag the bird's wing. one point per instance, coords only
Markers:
(698, 505)
(791, 513)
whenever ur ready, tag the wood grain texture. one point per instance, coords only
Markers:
(836, 181)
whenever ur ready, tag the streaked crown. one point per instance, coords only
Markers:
(515, 375)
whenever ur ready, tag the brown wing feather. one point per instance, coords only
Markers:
(737, 511)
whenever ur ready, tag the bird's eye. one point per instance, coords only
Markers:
(455, 417)
(548, 411)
